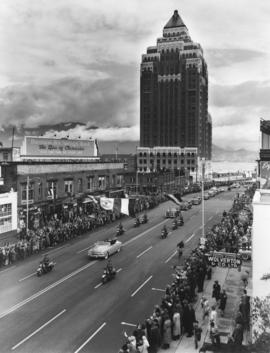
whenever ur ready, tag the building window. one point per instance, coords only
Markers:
(119, 180)
(101, 182)
(30, 192)
(69, 186)
(52, 189)
(5, 217)
(5, 156)
(80, 185)
(90, 183)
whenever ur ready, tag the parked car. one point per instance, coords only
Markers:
(104, 249)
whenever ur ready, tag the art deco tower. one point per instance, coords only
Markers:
(174, 92)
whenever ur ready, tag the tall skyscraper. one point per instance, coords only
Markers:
(174, 92)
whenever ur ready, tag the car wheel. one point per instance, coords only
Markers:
(106, 256)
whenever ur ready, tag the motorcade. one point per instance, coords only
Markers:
(104, 249)
(172, 212)
(43, 269)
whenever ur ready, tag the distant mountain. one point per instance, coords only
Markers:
(241, 155)
(121, 147)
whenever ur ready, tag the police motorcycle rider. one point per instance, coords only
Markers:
(164, 232)
(144, 218)
(137, 221)
(45, 263)
(174, 225)
(180, 246)
(110, 270)
(120, 229)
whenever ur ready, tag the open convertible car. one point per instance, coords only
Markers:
(104, 249)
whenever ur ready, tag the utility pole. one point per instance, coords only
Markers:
(27, 203)
(203, 170)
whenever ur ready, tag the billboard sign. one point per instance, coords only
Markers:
(265, 175)
(224, 259)
(34, 146)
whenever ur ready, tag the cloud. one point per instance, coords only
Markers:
(218, 57)
(110, 100)
(246, 94)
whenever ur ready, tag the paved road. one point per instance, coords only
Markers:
(69, 311)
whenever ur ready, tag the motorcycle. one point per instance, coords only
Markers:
(43, 270)
(180, 221)
(144, 220)
(108, 276)
(120, 231)
(164, 234)
(137, 223)
(174, 225)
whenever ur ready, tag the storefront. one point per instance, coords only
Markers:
(8, 213)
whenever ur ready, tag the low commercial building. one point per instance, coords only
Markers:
(8, 213)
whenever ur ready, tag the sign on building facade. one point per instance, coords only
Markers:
(40, 147)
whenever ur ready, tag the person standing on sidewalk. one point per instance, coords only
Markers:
(223, 301)
(197, 333)
(213, 315)
(176, 320)
(205, 307)
(216, 291)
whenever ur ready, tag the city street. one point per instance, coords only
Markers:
(69, 310)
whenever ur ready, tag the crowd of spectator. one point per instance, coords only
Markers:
(64, 227)
(175, 315)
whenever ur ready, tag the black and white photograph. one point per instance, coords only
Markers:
(134, 176)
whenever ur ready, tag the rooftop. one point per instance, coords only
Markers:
(175, 21)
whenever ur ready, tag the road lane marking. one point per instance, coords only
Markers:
(88, 247)
(209, 219)
(144, 283)
(90, 338)
(159, 289)
(169, 258)
(193, 234)
(128, 324)
(46, 289)
(60, 247)
(119, 269)
(200, 227)
(39, 329)
(142, 253)
(31, 274)
(98, 285)
(143, 233)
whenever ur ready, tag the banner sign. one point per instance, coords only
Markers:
(224, 259)
(42, 146)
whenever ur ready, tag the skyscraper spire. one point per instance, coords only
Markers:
(175, 21)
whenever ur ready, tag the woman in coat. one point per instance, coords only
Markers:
(167, 332)
(176, 325)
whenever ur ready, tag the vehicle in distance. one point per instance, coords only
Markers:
(104, 249)
(172, 212)
(206, 196)
(196, 201)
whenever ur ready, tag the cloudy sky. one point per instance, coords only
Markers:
(78, 61)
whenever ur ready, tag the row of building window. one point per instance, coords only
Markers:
(164, 154)
(52, 186)
(144, 161)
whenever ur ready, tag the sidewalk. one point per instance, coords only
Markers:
(230, 280)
